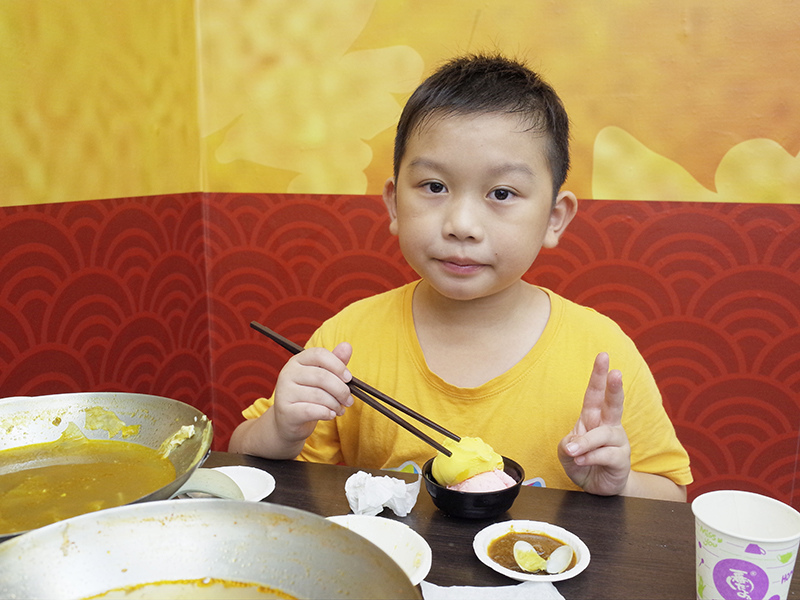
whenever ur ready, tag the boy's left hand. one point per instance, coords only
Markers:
(596, 454)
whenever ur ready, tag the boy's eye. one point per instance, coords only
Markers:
(501, 194)
(435, 187)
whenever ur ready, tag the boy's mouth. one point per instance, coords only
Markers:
(460, 265)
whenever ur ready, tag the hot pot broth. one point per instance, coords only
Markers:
(47, 482)
(197, 589)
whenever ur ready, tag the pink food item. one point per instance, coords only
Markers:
(488, 481)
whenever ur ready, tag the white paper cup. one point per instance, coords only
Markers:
(746, 546)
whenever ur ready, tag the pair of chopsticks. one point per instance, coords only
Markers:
(369, 395)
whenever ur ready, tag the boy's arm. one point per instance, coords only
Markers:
(262, 437)
(596, 454)
(311, 387)
(650, 485)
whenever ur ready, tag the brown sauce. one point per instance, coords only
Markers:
(501, 550)
(48, 482)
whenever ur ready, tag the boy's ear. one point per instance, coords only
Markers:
(564, 210)
(390, 200)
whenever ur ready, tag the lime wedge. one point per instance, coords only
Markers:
(527, 557)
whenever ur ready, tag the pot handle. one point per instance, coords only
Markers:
(212, 482)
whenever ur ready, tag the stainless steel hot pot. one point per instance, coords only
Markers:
(35, 419)
(289, 550)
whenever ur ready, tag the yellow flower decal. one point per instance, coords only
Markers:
(757, 170)
(298, 104)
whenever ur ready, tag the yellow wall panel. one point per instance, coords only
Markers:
(291, 94)
(304, 88)
(689, 100)
(99, 99)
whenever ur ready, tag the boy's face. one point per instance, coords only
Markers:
(473, 203)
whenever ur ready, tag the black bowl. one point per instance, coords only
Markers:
(474, 505)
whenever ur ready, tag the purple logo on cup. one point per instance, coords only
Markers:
(740, 580)
(754, 549)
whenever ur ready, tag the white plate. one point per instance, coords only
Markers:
(408, 548)
(254, 483)
(485, 537)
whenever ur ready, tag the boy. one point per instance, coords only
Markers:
(481, 153)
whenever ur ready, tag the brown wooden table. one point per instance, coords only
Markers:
(641, 549)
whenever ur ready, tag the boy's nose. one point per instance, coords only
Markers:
(463, 219)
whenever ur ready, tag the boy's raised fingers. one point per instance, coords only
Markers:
(595, 439)
(595, 397)
(614, 399)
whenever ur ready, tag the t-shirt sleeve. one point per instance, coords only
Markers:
(257, 408)
(655, 447)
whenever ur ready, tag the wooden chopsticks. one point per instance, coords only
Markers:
(369, 394)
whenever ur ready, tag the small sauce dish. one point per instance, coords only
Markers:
(487, 535)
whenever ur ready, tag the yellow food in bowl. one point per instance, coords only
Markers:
(471, 456)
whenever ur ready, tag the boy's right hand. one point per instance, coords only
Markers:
(312, 386)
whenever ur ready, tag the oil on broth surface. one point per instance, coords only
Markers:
(47, 482)
(195, 590)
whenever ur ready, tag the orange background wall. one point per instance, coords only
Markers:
(171, 171)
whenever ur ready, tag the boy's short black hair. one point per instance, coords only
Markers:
(476, 84)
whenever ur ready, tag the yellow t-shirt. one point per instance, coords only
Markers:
(522, 414)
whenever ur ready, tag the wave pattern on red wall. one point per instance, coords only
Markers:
(289, 262)
(155, 295)
(105, 296)
(711, 296)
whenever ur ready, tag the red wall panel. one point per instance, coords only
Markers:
(105, 296)
(155, 295)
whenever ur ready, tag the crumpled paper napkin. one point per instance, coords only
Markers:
(369, 495)
(529, 590)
